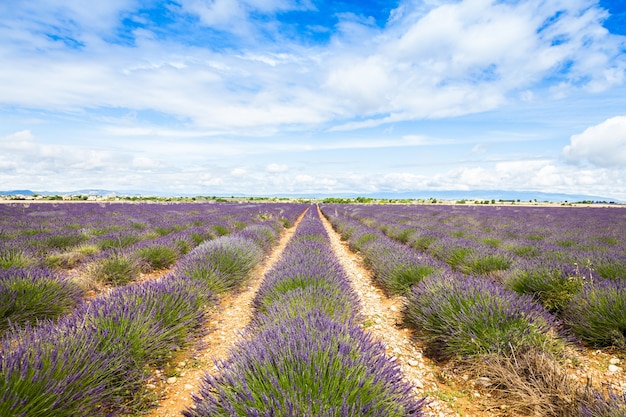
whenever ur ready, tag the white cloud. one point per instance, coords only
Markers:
(431, 61)
(224, 14)
(256, 114)
(603, 145)
(145, 163)
(22, 140)
(276, 168)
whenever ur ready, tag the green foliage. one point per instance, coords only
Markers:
(471, 316)
(403, 277)
(292, 283)
(551, 286)
(492, 242)
(116, 269)
(157, 256)
(526, 251)
(484, 264)
(221, 230)
(118, 242)
(70, 259)
(404, 236)
(139, 225)
(597, 314)
(453, 256)
(14, 258)
(285, 222)
(238, 225)
(29, 296)
(611, 268)
(166, 230)
(423, 242)
(360, 243)
(566, 243)
(64, 241)
(283, 304)
(223, 263)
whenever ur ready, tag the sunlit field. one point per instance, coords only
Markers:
(97, 298)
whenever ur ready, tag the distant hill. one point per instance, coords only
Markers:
(491, 195)
(497, 195)
(94, 192)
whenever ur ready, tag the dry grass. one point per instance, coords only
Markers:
(530, 383)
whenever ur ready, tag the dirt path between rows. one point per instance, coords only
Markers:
(231, 316)
(233, 313)
(383, 318)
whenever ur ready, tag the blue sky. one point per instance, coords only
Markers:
(269, 97)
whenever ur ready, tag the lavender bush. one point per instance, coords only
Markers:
(153, 318)
(595, 404)
(308, 278)
(332, 301)
(156, 257)
(597, 314)
(262, 234)
(30, 295)
(64, 371)
(397, 267)
(115, 268)
(470, 316)
(92, 363)
(611, 266)
(12, 256)
(307, 366)
(553, 285)
(223, 263)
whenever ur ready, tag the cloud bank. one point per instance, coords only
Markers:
(288, 95)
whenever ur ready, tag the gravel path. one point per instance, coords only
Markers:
(383, 318)
(231, 316)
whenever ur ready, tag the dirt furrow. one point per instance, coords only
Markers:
(231, 316)
(383, 318)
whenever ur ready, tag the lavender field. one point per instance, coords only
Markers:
(94, 297)
(513, 293)
(80, 329)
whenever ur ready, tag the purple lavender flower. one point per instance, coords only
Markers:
(311, 366)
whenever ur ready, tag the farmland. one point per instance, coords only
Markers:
(455, 310)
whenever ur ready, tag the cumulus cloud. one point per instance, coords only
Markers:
(432, 60)
(276, 168)
(603, 145)
(238, 172)
(22, 140)
(190, 98)
(145, 163)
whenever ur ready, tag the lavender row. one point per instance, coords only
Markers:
(94, 361)
(572, 285)
(478, 320)
(305, 353)
(65, 234)
(458, 316)
(588, 238)
(31, 293)
(396, 267)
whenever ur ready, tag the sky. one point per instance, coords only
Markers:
(268, 97)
